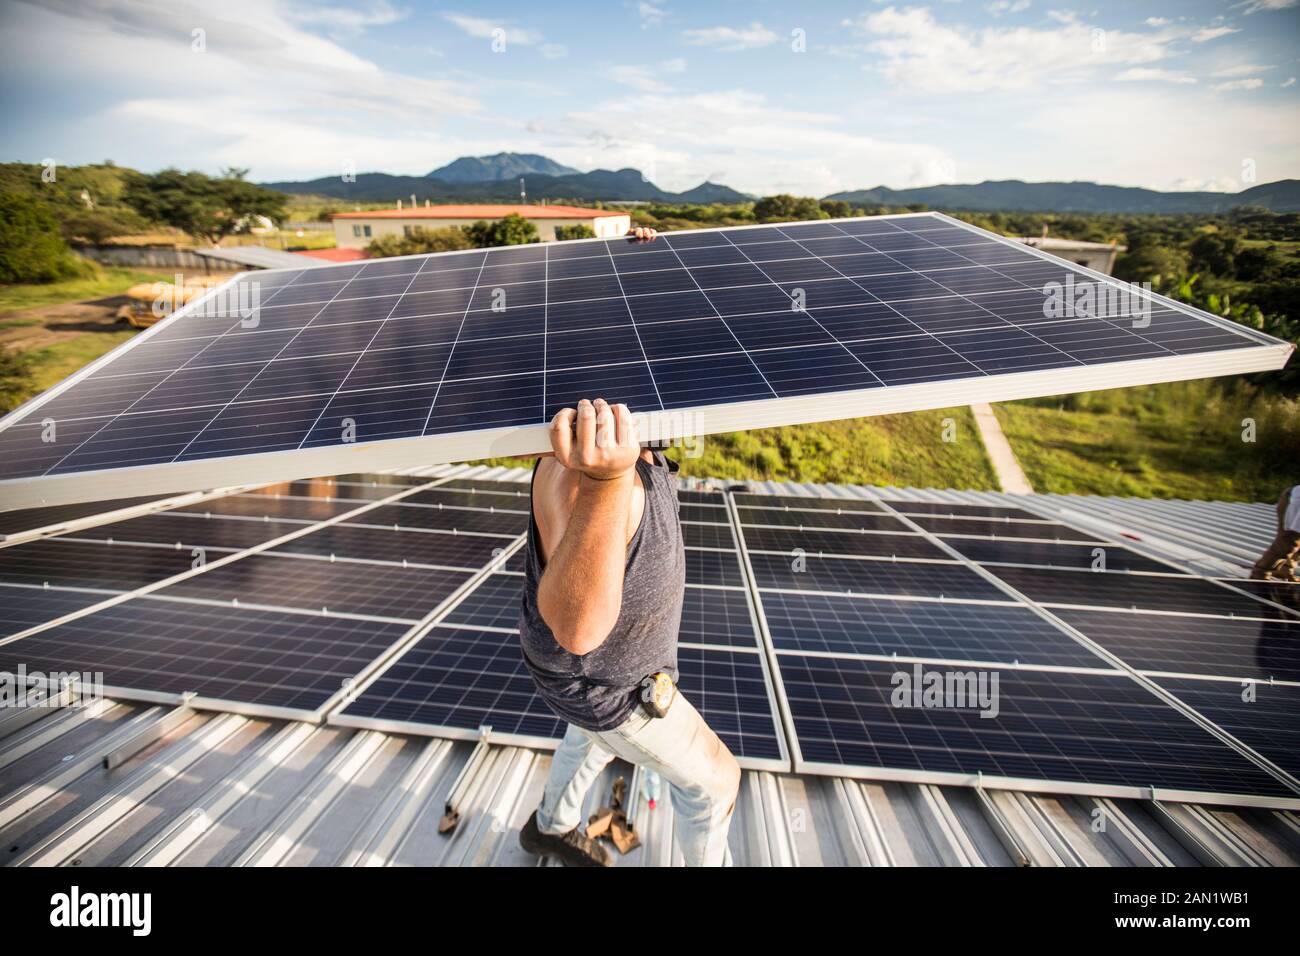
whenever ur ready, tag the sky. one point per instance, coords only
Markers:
(808, 98)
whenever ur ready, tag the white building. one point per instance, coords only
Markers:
(356, 230)
(1099, 256)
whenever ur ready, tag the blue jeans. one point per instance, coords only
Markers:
(702, 775)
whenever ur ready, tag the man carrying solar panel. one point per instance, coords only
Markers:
(604, 584)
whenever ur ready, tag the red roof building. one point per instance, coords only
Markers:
(333, 255)
(356, 230)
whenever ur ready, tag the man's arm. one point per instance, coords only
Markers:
(584, 511)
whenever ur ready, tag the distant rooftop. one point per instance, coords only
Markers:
(333, 255)
(1052, 244)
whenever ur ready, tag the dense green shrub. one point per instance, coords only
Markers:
(31, 249)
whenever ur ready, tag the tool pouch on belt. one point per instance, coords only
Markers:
(657, 694)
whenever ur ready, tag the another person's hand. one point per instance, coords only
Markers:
(596, 439)
(642, 234)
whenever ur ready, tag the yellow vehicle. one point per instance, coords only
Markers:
(153, 301)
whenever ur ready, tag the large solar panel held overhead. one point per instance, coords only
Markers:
(456, 356)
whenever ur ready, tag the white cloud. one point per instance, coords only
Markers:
(1254, 6)
(345, 20)
(1139, 74)
(553, 51)
(1253, 83)
(1180, 136)
(484, 29)
(1206, 34)
(1218, 184)
(651, 14)
(1156, 22)
(739, 138)
(998, 7)
(1289, 81)
(264, 93)
(1243, 69)
(647, 79)
(914, 50)
(732, 38)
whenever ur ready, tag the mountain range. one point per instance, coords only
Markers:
(496, 179)
(484, 169)
(1013, 195)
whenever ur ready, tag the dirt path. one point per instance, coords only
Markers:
(25, 329)
(1005, 464)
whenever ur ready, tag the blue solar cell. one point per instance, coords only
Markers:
(1261, 715)
(1085, 729)
(1000, 634)
(24, 607)
(257, 657)
(1136, 592)
(1183, 644)
(847, 575)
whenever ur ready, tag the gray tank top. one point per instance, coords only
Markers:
(599, 690)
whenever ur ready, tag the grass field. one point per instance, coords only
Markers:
(904, 450)
(1181, 440)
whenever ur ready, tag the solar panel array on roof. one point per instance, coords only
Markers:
(370, 604)
(251, 602)
(860, 636)
(455, 356)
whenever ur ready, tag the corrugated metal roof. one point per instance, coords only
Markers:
(127, 783)
(191, 788)
(259, 257)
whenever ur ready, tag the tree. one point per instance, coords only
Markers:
(836, 208)
(31, 249)
(1258, 263)
(1150, 263)
(206, 208)
(97, 226)
(1214, 253)
(786, 208)
(513, 230)
(420, 240)
(580, 231)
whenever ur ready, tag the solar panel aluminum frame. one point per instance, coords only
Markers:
(337, 717)
(392, 454)
(980, 780)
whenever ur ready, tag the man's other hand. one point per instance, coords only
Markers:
(642, 234)
(596, 439)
